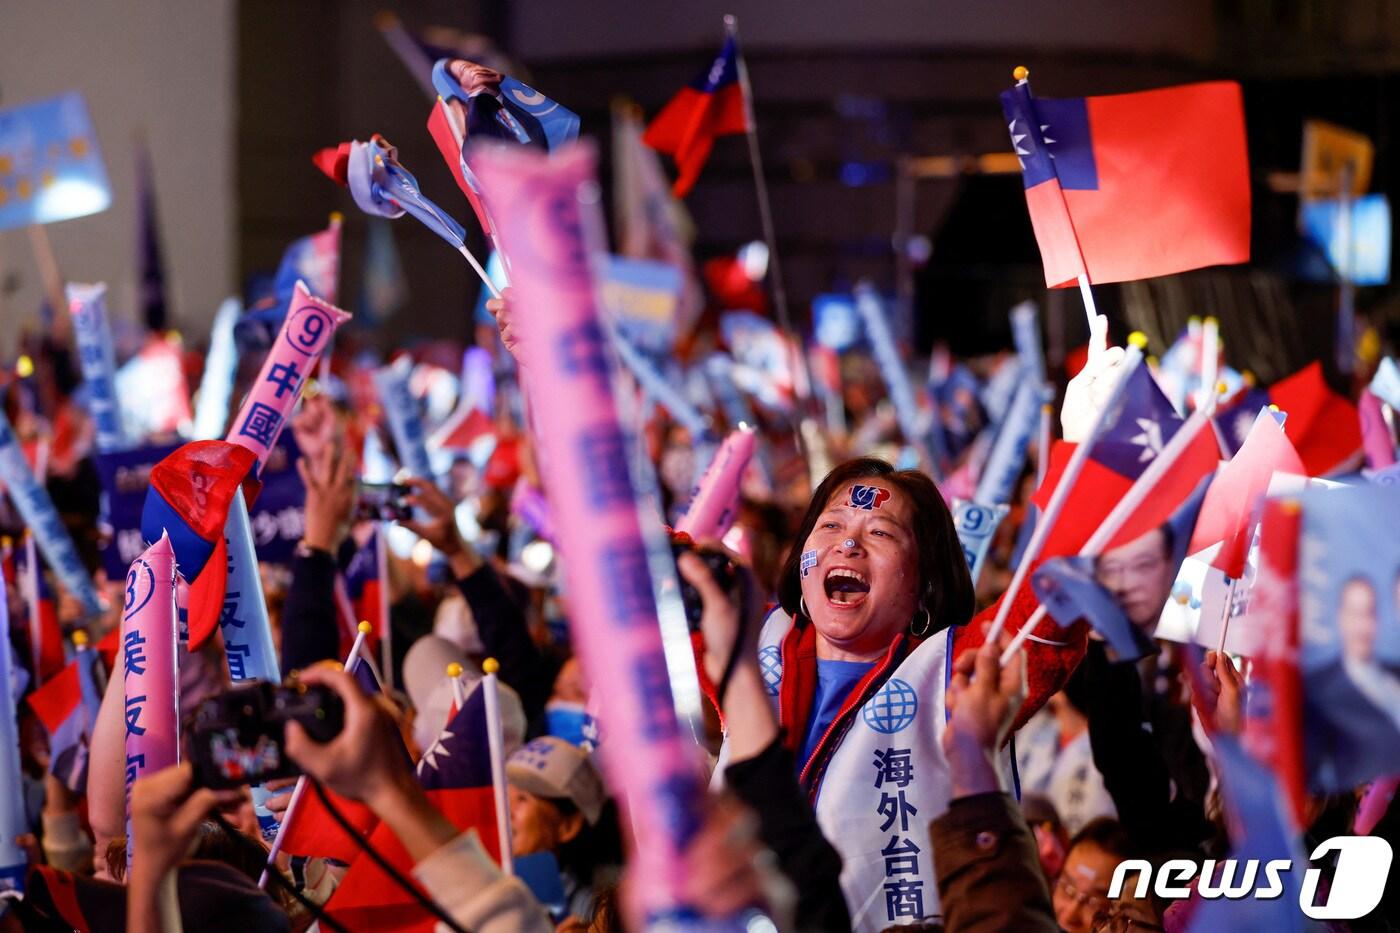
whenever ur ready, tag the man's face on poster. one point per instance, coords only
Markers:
(1139, 575)
(1356, 620)
(474, 78)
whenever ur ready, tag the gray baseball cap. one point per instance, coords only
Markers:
(552, 767)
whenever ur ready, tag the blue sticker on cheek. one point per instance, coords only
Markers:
(809, 560)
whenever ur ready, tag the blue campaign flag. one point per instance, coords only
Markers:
(1349, 634)
(1261, 830)
(519, 114)
(835, 321)
(976, 525)
(1363, 257)
(1121, 592)
(644, 297)
(50, 166)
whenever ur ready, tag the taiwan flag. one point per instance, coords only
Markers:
(711, 105)
(456, 773)
(1132, 437)
(1131, 186)
(364, 594)
(45, 634)
(67, 706)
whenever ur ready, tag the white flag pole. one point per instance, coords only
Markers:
(496, 740)
(361, 631)
(1131, 360)
(1142, 487)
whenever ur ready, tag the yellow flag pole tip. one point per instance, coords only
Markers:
(1273, 408)
(1193, 319)
(1213, 321)
(24, 367)
(1138, 339)
(1221, 388)
(490, 666)
(1020, 72)
(1292, 506)
(337, 217)
(364, 628)
(80, 638)
(454, 669)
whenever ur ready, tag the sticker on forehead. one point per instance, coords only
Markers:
(809, 560)
(868, 497)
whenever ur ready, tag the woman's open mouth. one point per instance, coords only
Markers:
(846, 588)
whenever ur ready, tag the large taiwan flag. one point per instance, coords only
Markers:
(1131, 186)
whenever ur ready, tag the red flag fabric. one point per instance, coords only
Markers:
(712, 105)
(314, 832)
(55, 701)
(1130, 186)
(1323, 426)
(1228, 512)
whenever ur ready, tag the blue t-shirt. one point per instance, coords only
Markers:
(835, 680)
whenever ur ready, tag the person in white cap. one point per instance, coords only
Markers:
(558, 805)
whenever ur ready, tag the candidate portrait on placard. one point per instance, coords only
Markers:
(1139, 575)
(1349, 559)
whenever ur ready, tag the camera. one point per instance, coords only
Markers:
(383, 502)
(237, 737)
(719, 566)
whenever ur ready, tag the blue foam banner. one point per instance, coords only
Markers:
(93, 336)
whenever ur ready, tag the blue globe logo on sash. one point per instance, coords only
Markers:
(892, 709)
(770, 665)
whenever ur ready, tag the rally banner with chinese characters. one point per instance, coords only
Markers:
(150, 681)
(593, 503)
(305, 334)
(50, 166)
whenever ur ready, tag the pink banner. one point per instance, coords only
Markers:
(591, 498)
(149, 676)
(305, 334)
(715, 505)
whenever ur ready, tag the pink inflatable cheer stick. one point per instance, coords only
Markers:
(149, 676)
(715, 504)
(305, 334)
(593, 503)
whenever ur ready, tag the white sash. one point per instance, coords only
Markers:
(882, 832)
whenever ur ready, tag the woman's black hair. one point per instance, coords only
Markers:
(945, 586)
(597, 846)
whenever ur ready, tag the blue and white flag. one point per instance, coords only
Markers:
(643, 298)
(50, 166)
(93, 336)
(1361, 255)
(37, 510)
(976, 525)
(14, 862)
(878, 333)
(1013, 438)
(405, 418)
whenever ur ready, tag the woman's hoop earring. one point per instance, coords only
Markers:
(802, 606)
(914, 628)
